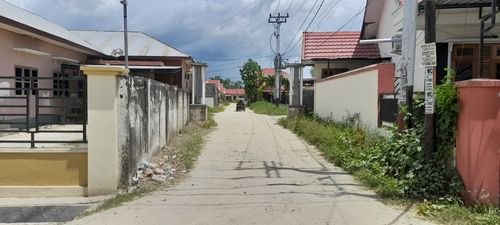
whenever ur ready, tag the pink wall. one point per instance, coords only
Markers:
(478, 139)
(46, 65)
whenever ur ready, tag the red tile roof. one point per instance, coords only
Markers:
(270, 72)
(336, 45)
(239, 92)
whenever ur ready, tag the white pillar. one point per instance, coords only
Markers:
(102, 130)
(203, 70)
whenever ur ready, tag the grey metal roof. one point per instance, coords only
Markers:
(140, 44)
(24, 17)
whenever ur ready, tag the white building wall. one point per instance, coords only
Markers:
(386, 28)
(339, 64)
(354, 94)
(391, 22)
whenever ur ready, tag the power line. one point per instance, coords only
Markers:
(290, 5)
(312, 20)
(277, 7)
(271, 43)
(330, 10)
(342, 27)
(224, 22)
(236, 59)
(316, 14)
(298, 30)
(220, 51)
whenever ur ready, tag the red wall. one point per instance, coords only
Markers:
(478, 139)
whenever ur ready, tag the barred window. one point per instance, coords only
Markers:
(23, 80)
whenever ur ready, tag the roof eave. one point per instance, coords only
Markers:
(29, 29)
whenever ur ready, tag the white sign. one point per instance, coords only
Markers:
(429, 90)
(401, 85)
(428, 55)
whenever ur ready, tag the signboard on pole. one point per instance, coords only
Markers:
(401, 83)
(429, 62)
(428, 55)
(429, 90)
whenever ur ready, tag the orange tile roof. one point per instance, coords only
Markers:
(336, 45)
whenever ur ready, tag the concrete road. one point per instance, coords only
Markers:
(252, 171)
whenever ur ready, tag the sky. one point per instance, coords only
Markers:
(223, 33)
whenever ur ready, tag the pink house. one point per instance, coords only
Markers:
(234, 94)
(39, 54)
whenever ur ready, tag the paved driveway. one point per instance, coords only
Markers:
(252, 171)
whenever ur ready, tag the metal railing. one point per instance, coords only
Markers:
(32, 109)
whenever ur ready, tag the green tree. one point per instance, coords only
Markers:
(269, 82)
(251, 74)
(217, 77)
(238, 84)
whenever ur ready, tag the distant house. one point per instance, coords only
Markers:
(269, 91)
(214, 92)
(234, 94)
(332, 53)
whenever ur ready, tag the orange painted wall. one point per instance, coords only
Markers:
(43, 169)
(478, 139)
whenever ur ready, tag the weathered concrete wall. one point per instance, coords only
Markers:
(198, 113)
(211, 95)
(151, 114)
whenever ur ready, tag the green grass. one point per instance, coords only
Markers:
(218, 109)
(453, 212)
(352, 149)
(210, 123)
(267, 108)
(191, 148)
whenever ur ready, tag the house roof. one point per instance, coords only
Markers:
(140, 44)
(28, 23)
(336, 45)
(234, 91)
(271, 72)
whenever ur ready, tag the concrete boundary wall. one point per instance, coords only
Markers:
(150, 114)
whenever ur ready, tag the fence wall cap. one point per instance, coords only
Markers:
(104, 70)
(478, 83)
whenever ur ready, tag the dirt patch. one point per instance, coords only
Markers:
(175, 160)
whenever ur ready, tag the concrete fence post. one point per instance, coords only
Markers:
(103, 153)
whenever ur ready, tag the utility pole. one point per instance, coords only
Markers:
(408, 52)
(125, 31)
(277, 21)
(430, 82)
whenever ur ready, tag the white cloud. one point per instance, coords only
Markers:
(203, 28)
